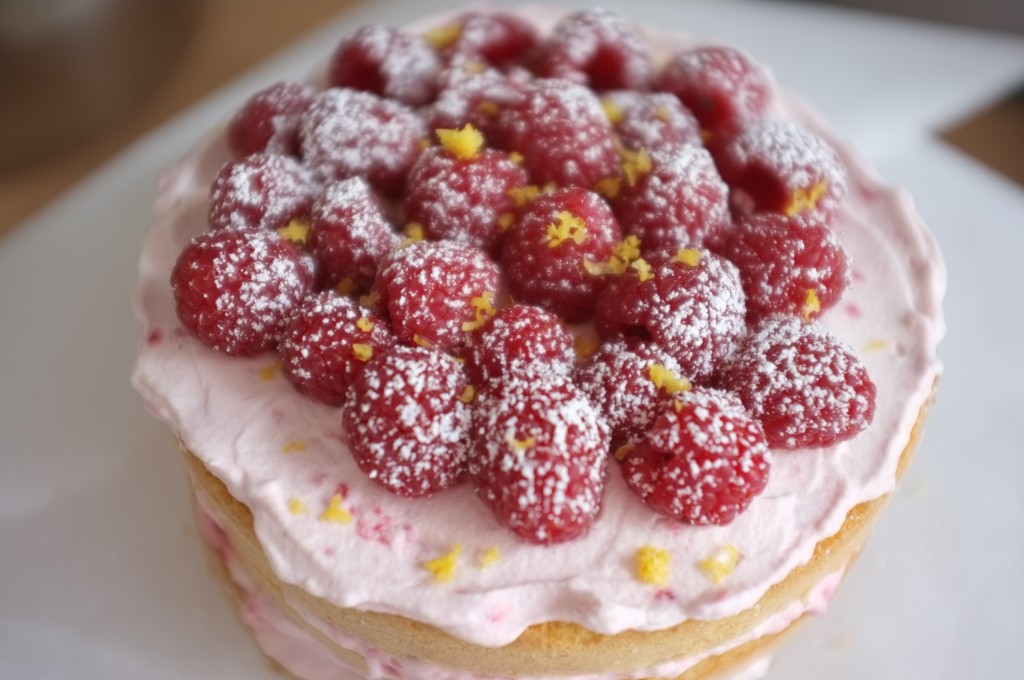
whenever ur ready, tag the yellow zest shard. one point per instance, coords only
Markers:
(678, 405)
(468, 395)
(506, 220)
(490, 558)
(414, 233)
(362, 351)
(297, 507)
(628, 249)
(567, 227)
(346, 286)
(721, 563)
(443, 568)
(524, 195)
(443, 37)
(483, 306)
(334, 513)
(666, 379)
(516, 157)
(521, 444)
(422, 341)
(642, 269)
(876, 346)
(609, 187)
(268, 373)
(293, 447)
(473, 66)
(635, 164)
(688, 256)
(806, 199)
(364, 324)
(295, 231)
(623, 451)
(612, 111)
(812, 305)
(653, 565)
(489, 108)
(663, 114)
(464, 144)
(370, 299)
(624, 253)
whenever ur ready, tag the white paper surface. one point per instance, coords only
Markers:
(101, 573)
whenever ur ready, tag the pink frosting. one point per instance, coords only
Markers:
(246, 427)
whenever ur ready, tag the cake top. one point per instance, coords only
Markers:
(687, 224)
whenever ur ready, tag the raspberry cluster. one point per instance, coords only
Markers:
(413, 239)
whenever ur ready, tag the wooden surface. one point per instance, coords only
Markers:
(225, 37)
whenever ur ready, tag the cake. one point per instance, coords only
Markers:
(627, 406)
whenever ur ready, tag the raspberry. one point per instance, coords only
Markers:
(386, 62)
(562, 133)
(269, 120)
(679, 201)
(462, 199)
(437, 291)
(620, 381)
(540, 456)
(703, 460)
(328, 342)
(475, 96)
(236, 290)
(596, 48)
(262, 191)
(345, 133)
(519, 341)
(494, 37)
(546, 251)
(788, 265)
(406, 426)
(350, 235)
(692, 307)
(777, 166)
(649, 120)
(699, 318)
(806, 387)
(723, 88)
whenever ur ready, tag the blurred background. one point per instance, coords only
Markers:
(81, 79)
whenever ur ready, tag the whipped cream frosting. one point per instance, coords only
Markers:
(282, 455)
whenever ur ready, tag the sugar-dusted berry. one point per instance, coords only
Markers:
(462, 198)
(261, 191)
(676, 200)
(236, 290)
(630, 380)
(495, 38)
(722, 86)
(596, 48)
(475, 94)
(350, 235)
(405, 424)
(703, 460)
(806, 386)
(777, 166)
(788, 265)
(435, 292)
(269, 120)
(386, 62)
(649, 120)
(561, 132)
(345, 133)
(519, 341)
(546, 251)
(540, 456)
(328, 342)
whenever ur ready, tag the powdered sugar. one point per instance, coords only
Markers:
(262, 191)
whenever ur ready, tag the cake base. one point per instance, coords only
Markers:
(547, 649)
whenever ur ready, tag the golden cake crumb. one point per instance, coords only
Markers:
(653, 565)
(334, 513)
(443, 568)
(721, 563)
